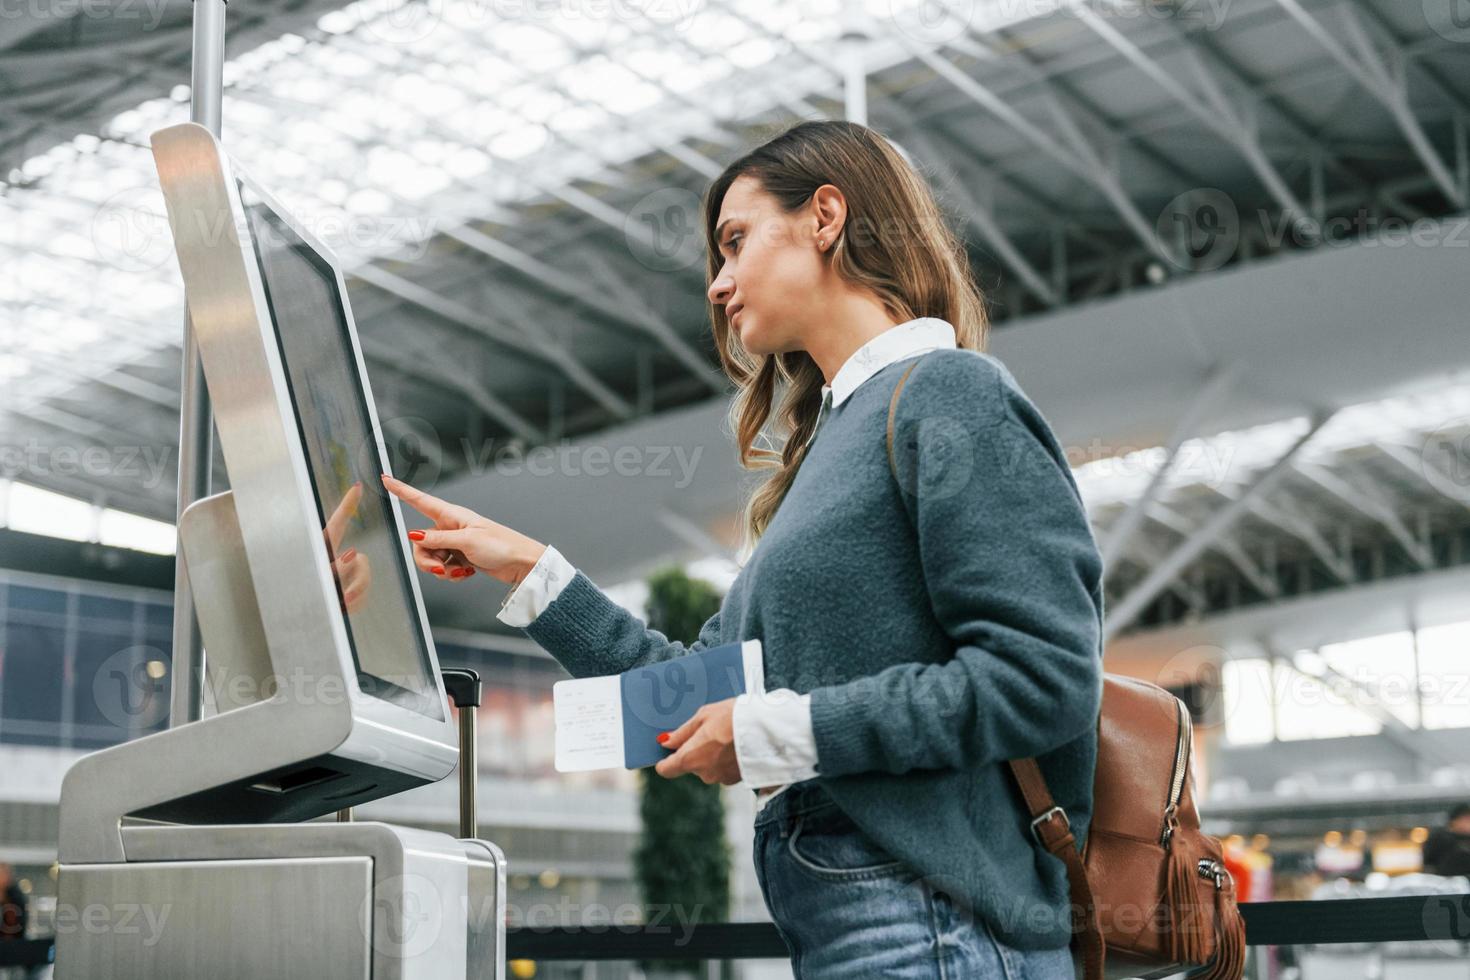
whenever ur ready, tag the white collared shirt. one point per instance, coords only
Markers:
(774, 744)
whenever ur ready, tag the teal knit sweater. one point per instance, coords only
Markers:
(943, 620)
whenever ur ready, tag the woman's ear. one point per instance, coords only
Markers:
(829, 211)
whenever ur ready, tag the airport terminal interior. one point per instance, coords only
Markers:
(1225, 250)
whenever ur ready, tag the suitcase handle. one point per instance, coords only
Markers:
(463, 687)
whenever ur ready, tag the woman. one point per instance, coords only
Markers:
(921, 623)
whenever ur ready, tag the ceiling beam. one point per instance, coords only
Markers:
(1386, 84)
(1127, 610)
(1076, 154)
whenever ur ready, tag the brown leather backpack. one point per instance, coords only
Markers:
(1150, 893)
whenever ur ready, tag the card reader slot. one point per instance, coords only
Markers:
(295, 779)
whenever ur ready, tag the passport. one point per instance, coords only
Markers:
(613, 721)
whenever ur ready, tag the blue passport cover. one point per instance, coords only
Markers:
(660, 697)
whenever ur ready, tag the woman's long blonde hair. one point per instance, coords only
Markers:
(894, 244)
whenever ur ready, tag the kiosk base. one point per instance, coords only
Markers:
(317, 901)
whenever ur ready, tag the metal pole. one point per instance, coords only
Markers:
(462, 685)
(469, 818)
(196, 422)
(854, 47)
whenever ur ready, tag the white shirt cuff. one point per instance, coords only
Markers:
(534, 593)
(774, 743)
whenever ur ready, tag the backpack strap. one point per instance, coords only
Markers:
(1050, 827)
(1049, 824)
(893, 414)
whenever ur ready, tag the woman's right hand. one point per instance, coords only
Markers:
(460, 536)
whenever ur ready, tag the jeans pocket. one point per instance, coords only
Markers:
(826, 844)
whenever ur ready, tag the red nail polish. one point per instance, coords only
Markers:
(415, 535)
(663, 737)
(437, 569)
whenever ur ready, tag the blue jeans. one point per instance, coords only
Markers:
(848, 910)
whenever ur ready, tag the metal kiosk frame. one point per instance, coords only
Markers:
(198, 827)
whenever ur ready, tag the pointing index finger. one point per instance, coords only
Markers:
(426, 504)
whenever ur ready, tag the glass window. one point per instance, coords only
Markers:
(31, 690)
(1248, 693)
(101, 607)
(117, 688)
(37, 600)
(1444, 675)
(1379, 670)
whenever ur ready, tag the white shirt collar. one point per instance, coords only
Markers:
(894, 344)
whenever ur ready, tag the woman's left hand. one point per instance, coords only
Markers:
(704, 745)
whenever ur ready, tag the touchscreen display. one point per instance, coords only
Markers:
(358, 529)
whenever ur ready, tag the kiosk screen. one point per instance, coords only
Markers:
(358, 531)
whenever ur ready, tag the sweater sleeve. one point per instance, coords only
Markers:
(1014, 578)
(592, 636)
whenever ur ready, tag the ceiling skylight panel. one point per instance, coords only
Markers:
(13, 366)
(522, 140)
(657, 59)
(531, 46)
(428, 179)
(356, 120)
(145, 299)
(464, 17)
(385, 165)
(343, 63)
(1395, 420)
(54, 332)
(337, 21)
(243, 115)
(715, 31)
(606, 83)
(517, 96)
(812, 29)
(585, 26)
(485, 77)
(467, 162)
(38, 279)
(72, 245)
(477, 125)
(542, 104)
(752, 54)
(424, 93)
(702, 74)
(289, 165)
(38, 166)
(581, 119)
(135, 125)
(369, 201)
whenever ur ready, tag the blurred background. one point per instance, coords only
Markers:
(1226, 252)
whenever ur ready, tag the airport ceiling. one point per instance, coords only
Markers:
(514, 187)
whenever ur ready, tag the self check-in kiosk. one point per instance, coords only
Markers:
(325, 682)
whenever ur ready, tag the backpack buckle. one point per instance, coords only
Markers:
(1045, 818)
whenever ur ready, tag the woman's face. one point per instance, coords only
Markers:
(772, 275)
